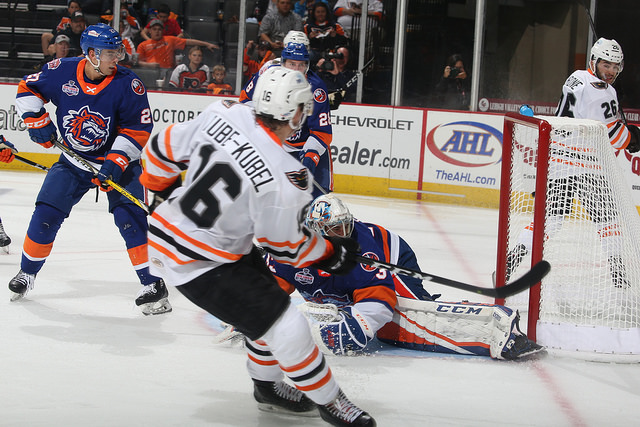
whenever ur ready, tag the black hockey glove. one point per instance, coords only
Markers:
(343, 258)
(161, 196)
(634, 144)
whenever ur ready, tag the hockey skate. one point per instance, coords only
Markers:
(153, 298)
(21, 284)
(282, 398)
(341, 412)
(519, 347)
(4, 240)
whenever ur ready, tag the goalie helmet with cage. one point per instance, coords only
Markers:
(101, 37)
(606, 50)
(330, 216)
(280, 92)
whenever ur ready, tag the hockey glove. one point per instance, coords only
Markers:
(161, 196)
(41, 128)
(6, 150)
(345, 336)
(343, 260)
(114, 165)
(310, 160)
(634, 144)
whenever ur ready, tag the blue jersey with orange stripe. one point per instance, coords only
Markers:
(92, 117)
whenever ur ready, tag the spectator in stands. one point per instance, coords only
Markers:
(61, 47)
(47, 38)
(346, 9)
(334, 70)
(323, 31)
(262, 7)
(276, 25)
(131, 57)
(159, 50)
(452, 91)
(217, 85)
(131, 23)
(73, 32)
(304, 7)
(193, 76)
(168, 20)
(254, 58)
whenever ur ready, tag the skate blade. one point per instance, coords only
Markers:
(14, 296)
(159, 307)
(4, 249)
(274, 409)
(229, 335)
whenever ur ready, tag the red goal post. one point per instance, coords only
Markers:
(561, 183)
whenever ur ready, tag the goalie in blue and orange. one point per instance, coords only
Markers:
(103, 115)
(347, 312)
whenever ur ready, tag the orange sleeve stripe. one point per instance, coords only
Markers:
(286, 286)
(23, 88)
(197, 243)
(156, 162)
(287, 244)
(306, 362)
(168, 253)
(167, 143)
(380, 293)
(323, 136)
(262, 362)
(318, 384)
(138, 255)
(156, 183)
(36, 250)
(140, 136)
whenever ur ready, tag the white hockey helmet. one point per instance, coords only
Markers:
(608, 50)
(279, 92)
(330, 216)
(294, 36)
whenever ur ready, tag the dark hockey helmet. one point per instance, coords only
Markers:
(101, 36)
(330, 216)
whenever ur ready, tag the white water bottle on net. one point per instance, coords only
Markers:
(563, 198)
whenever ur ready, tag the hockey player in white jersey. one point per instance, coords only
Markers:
(586, 94)
(240, 185)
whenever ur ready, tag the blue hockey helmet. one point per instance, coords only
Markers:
(101, 36)
(295, 51)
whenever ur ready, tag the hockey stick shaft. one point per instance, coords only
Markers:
(530, 278)
(31, 163)
(108, 182)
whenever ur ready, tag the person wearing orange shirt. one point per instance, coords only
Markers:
(159, 50)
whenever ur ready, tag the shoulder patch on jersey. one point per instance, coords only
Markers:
(137, 87)
(319, 95)
(600, 85)
(299, 178)
(371, 255)
(53, 64)
(229, 103)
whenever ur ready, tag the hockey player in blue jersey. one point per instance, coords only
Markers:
(348, 311)
(310, 144)
(103, 115)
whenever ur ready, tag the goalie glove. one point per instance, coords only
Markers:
(344, 335)
(6, 150)
(343, 259)
(634, 144)
(41, 128)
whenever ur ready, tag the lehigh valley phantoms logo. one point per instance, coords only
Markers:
(299, 178)
(85, 129)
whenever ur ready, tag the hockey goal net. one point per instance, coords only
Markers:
(563, 198)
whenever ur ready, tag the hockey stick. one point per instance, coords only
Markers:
(31, 163)
(108, 182)
(530, 278)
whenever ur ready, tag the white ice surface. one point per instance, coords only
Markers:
(77, 352)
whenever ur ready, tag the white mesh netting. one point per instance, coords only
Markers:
(589, 301)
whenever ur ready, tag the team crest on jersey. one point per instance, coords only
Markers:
(70, 88)
(137, 87)
(304, 277)
(87, 130)
(600, 85)
(319, 95)
(299, 178)
(371, 255)
(54, 63)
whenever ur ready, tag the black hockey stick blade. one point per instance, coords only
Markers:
(31, 162)
(530, 278)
